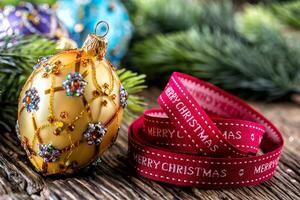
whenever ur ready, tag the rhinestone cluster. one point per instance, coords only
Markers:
(94, 133)
(74, 84)
(41, 61)
(51, 68)
(123, 97)
(31, 100)
(48, 153)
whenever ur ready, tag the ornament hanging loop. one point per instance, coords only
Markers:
(95, 45)
(96, 27)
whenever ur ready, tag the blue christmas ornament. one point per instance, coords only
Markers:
(81, 16)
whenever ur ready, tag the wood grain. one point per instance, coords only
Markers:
(114, 179)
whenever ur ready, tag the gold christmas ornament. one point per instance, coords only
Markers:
(70, 108)
(66, 44)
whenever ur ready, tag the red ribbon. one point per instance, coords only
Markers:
(204, 137)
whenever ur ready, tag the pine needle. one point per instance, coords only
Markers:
(288, 12)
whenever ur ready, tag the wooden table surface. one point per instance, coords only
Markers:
(114, 179)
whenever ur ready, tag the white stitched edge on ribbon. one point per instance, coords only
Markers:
(206, 183)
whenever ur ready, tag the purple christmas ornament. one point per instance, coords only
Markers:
(27, 19)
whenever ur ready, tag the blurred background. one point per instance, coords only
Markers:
(250, 48)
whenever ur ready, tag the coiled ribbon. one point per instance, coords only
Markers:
(203, 137)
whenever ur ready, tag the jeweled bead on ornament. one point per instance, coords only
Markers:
(113, 96)
(71, 127)
(94, 133)
(33, 17)
(85, 62)
(48, 153)
(51, 68)
(123, 97)
(74, 84)
(95, 93)
(104, 103)
(60, 128)
(31, 100)
(64, 115)
(41, 61)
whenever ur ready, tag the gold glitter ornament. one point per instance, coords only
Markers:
(70, 108)
(66, 44)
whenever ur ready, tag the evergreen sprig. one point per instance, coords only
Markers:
(17, 57)
(289, 13)
(134, 83)
(263, 66)
(160, 16)
(156, 16)
(19, 54)
(269, 70)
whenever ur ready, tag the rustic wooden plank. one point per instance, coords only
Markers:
(114, 178)
(15, 196)
(5, 186)
(16, 166)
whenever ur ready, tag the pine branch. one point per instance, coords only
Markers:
(268, 69)
(17, 57)
(252, 60)
(133, 83)
(289, 13)
(250, 21)
(162, 16)
(156, 16)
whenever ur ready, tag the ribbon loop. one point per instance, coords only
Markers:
(203, 136)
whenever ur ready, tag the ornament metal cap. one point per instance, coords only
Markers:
(96, 45)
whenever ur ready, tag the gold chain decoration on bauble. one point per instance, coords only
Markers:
(70, 108)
